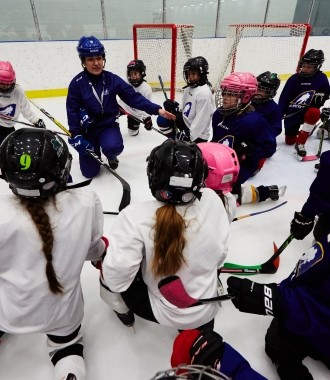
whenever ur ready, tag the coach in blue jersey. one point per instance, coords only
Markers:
(94, 90)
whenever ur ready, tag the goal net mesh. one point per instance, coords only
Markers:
(275, 47)
(164, 49)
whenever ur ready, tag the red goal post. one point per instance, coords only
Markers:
(275, 47)
(164, 49)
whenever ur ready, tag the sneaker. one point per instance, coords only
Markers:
(127, 319)
(113, 164)
(300, 149)
(316, 167)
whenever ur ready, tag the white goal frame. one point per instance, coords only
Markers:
(164, 49)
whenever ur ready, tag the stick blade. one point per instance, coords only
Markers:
(309, 158)
(172, 289)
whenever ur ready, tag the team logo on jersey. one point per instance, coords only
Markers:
(304, 99)
(228, 141)
(187, 108)
(309, 259)
(8, 110)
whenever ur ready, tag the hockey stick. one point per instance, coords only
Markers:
(318, 154)
(173, 290)
(126, 197)
(268, 267)
(259, 212)
(162, 86)
(139, 120)
(28, 124)
(111, 212)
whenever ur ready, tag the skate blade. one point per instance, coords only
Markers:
(281, 191)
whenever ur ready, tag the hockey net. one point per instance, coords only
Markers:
(164, 49)
(274, 47)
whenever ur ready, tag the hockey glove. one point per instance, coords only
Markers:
(40, 124)
(80, 144)
(254, 298)
(147, 123)
(242, 149)
(325, 115)
(207, 349)
(301, 225)
(197, 347)
(171, 106)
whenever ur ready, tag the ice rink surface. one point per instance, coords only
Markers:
(113, 351)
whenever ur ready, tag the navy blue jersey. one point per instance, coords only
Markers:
(270, 111)
(250, 128)
(319, 195)
(300, 93)
(305, 297)
(102, 106)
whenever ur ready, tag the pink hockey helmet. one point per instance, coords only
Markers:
(7, 73)
(223, 166)
(245, 83)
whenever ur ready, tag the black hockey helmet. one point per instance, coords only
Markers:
(138, 65)
(269, 82)
(35, 162)
(313, 57)
(176, 172)
(201, 65)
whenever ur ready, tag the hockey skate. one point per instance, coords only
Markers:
(133, 130)
(113, 164)
(301, 151)
(275, 192)
(316, 167)
(127, 319)
(71, 376)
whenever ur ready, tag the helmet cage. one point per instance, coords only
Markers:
(314, 58)
(36, 163)
(269, 83)
(199, 64)
(139, 66)
(191, 371)
(176, 171)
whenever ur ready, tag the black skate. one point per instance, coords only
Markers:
(71, 376)
(301, 151)
(113, 164)
(127, 319)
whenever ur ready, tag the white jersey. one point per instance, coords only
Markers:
(197, 111)
(13, 104)
(132, 245)
(27, 304)
(145, 90)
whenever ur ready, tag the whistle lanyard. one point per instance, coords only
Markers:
(100, 100)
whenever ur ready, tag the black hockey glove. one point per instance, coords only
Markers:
(301, 225)
(40, 124)
(325, 115)
(242, 149)
(171, 106)
(254, 298)
(147, 123)
(207, 349)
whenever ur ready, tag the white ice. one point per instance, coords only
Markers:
(113, 351)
